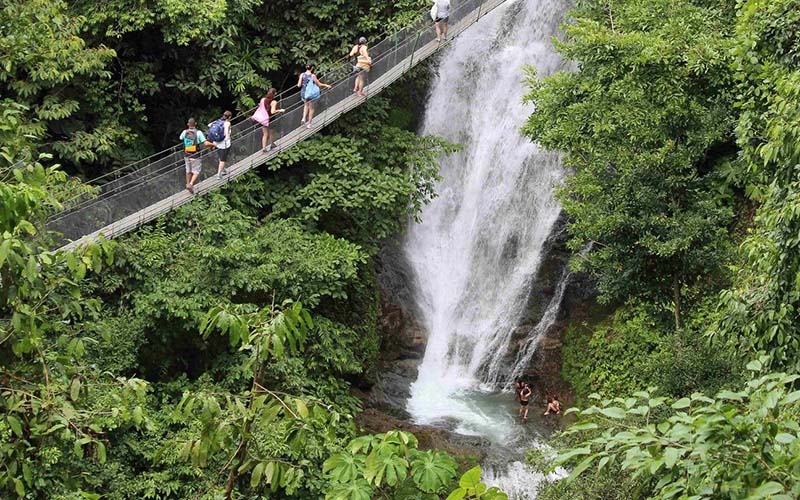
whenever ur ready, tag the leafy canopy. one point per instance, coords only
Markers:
(737, 445)
(761, 310)
(645, 123)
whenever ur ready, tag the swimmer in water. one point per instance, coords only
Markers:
(524, 398)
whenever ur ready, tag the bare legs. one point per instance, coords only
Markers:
(308, 113)
(191, 178)
(441, 31)
(267, 139)
(361, 79)
(264, 138)
(192, 172)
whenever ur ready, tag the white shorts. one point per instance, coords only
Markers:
(193, 165)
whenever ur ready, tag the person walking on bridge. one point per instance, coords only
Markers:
(193, 141)
(219, 131)
(363, 65)
(267, 109)
(309, 86)
(441, 15)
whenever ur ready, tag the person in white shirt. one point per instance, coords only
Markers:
(441, 18)
(224, 145)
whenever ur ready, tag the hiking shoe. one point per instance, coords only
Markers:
(190, 188)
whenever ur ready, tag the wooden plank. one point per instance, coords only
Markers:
(137, 219)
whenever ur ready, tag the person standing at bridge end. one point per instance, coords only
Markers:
(441, 16)
(193, 141)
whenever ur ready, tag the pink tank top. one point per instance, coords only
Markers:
(261, 115)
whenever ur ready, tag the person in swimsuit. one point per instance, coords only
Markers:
(553, 406)
(524, 399)
(363, 65)
(309, 106)
(442, 17)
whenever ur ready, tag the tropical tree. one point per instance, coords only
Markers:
(647, 126)
(58, 412)
(232, 425)
(388, 466)
(761, 310)
(736, 445)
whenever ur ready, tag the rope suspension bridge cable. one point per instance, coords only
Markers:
(138, 193)
(328, 72)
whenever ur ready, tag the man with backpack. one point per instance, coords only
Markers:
(219, 132)
(193, 141)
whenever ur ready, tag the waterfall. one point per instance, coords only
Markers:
(549, 317)
(479, 245)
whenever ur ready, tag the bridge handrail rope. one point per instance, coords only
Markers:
(340, 66)
(138, 196)
(327, 71)
(240, 124)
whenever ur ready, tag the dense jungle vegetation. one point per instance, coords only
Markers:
(211, 355)
(682, 128)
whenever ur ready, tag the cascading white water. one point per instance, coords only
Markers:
(525, 353)
(478, 247)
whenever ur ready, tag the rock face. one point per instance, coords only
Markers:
(403, 343)
(463, 448)
(555, 258)
(544, 370)
(401, 336)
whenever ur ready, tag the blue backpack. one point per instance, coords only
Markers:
(216, 131)
(312, 91)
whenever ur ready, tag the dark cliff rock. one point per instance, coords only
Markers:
(466, 449)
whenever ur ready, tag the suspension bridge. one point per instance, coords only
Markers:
(127, 198)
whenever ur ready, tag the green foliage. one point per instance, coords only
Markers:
(737, 445)
(611, 483)
(613, 359)
(54, 73)
(56, 411)
(761, 310)
(241, 258)
(470, 486)
(637, 348)
(348, 187)
(388, 466)
(647, 126)
(230, 424)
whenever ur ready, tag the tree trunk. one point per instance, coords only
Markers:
(241, 452)
(676, 284)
